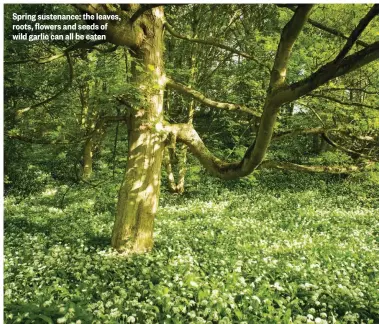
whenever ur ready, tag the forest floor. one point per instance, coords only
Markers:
(282, 248)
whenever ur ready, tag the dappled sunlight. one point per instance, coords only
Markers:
(49, 192)
(158, 128)
(244, 137)
(158, 12)
(249, 243)
(149, 190)
(137, 185)
(162, 80)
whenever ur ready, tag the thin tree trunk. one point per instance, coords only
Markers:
(84, 92)
(183, 154)
(178, 187)
(87, 159)
(178, 156)
(139, 193)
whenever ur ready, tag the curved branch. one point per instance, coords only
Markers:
(295, 132)
(324, 28)
(206, 101)
(328, 72)
(324, 133)
(142, 9)
(344, 103)
(315, 168)
(212, 42)
(19, 112)
(186, 134)
(253, 157)
(44, 60)
(290, 33)
(256, 152)
(346, 150)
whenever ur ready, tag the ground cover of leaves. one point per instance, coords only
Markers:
(279, 249)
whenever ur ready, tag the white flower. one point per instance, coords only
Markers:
(193, 284)
(277, 286)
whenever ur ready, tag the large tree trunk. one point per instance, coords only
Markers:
(139, 193)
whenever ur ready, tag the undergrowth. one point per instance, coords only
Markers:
(277, 248)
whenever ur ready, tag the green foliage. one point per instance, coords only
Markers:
(269, 248)
(278, 248)
(334, 158)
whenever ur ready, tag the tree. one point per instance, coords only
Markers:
(142, 30)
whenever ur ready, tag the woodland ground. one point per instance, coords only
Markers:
(279, 248)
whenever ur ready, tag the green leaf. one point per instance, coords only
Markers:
(46, 318)
(238, 313)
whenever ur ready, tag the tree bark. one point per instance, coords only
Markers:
(139, 193)
(87, 159)
(178, 187)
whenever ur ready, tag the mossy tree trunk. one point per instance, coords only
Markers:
(87, 159)
(139, 193)
(85, 124)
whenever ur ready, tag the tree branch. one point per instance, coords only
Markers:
(324, 133)
(20, 112)
(186, 134)
(206, 101)
(363, 23)
(288, 37)
(330, 71)
(315, 168)
(344, 103)
(339, 66)
(101, 122)
(142, 9)
(352, 89)
(212, 42)
(257, 151)
(43, 60)
(125, 34)
(366, 138)
(324, 28)
(42, 141)
(301, 131)
(346, 150)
